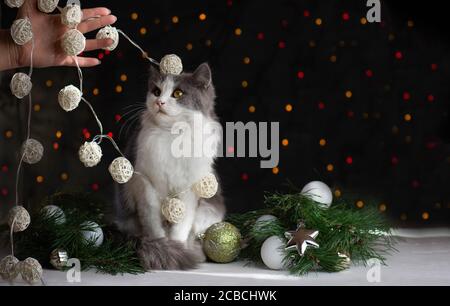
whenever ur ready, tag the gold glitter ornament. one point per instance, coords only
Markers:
(59, 258)
(222, 242)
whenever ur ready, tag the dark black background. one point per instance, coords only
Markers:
(403, 165)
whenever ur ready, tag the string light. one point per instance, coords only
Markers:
(322, 142)
(333, 58)
(252, 109)
(49, 83)
(202, 17)
(360, 204)
(64, 176)
(382, 207)
(403, 217)
(246, 60)
(408, 117)
(9, 134)
(348, 94)
(39, 179)
(143, 30)
(123, 77)
(285, 142)
(288, 108)
(189, 46)
(238, 31)
(119, 88)
(363, 20)
(244, 84)
(318, 21)
(95, 91)
(276, 170)
(37, 107)
(134, 16)
(330, 167)
(337, 193)
(175, 19)
(425, 216)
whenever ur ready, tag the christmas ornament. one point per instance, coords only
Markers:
(59, 259)
(20, 85)
(47, 6)
(20, 217)
(14, 3)
(173, 210)
(207, 187)
(31, 270)
(301, 239)
(121, 170)
(171, 64)
(319, 192)
(222, 242)
(272, 253)
(94, 235)
(55, 212)
(111, 33)
(8, 268)
(73, 42)
(71, 15)
(32, 151)
(90, 154)
(345, 262)
(69, 98)
(21, 31)
(263, 220)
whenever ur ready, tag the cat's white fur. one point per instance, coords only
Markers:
(159, 173)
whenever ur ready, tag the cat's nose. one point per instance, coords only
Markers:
(160, 103)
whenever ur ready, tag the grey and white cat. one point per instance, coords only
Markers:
(171, 99)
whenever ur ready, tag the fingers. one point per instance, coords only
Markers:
(82, 62)
(94, 44)
(93, 12)
(97, 23)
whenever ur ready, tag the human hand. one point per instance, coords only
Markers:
(47, 33)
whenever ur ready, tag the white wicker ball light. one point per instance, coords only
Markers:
(207, 187)
(31, 270)
(173, 210)
(90, 154)
(47, 6)
(18, 219)
(8, 268)
(32, 151)
(111, 33)
(69, 98)
(14, 3)
(71, 15)
(121, 170)
(171, 64)
(20, 85)
(73, 42)
(21, 31)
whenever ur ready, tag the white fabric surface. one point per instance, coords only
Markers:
(419, 261)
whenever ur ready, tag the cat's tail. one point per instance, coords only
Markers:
(165, 254)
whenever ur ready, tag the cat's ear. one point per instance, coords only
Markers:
(203, 75)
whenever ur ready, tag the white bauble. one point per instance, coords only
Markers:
(90, 154)
(8, 268)
(264, 219)
(272, 253)
(121, 170)
(319, 192)
(207, 187)
(173, 210)
(111, 33)
(14, 3)
(71, 15)
(55, 212)
(171, 64)
(73, 42)
(69, 98)
(47, 6)
(20, 85)
(96, 235)
(31, 270)
(32, 151)
(21, 31)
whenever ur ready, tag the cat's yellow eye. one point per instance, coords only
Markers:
(178, 93)
(156, 92)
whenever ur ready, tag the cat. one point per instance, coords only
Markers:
(171, 99)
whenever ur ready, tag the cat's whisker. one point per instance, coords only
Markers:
(133, 110)
(132, 118)
(135, 104)
(131, 124)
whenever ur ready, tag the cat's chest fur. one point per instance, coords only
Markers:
(167, 172)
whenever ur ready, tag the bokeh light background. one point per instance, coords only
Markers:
(362, 107)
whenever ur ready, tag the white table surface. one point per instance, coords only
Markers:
(423, 258)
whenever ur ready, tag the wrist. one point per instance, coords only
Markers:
(7, 45)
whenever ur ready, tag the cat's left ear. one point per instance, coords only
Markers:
(203, 75)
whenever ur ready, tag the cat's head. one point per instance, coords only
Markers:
(174, 98)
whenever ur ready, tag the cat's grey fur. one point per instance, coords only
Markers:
(165, 246)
